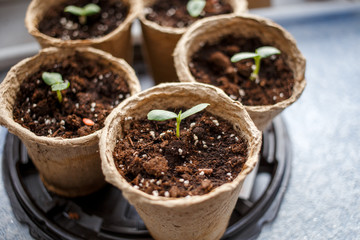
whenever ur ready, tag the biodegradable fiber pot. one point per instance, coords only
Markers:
(117, 42)
(199, 217)
(213, 29)
(68, 167)
(160, 42)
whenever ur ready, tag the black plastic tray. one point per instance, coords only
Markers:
(107, 215)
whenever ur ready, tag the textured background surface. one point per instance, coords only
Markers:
(322, 200)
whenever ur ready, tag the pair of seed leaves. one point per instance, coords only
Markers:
(56, 82)
(83, 12)
(259, 53)
(163, 115)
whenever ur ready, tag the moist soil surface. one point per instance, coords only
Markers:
(208, 154)
(212, 65)
(94, 91)
(174, 14)
(66, 26)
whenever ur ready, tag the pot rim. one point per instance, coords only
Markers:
(32, 21)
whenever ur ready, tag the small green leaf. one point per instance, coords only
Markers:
(78, 11)
(91, 9)
(267, 51)
(194, 110)
(60, 86)
(161, 115)
(195, 7)
(51, 78)
(244, 55)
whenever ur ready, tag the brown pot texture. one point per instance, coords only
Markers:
(159, 43)
(68, 167)
(117, 42)
(213, 29)
(202, 217)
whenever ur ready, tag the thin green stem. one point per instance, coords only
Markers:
(255, 73)
(178, 120)
(82, 20)
(59, 96)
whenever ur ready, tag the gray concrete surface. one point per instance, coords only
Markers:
(322, 201)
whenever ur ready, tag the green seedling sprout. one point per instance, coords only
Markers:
(56, 82)
(83, 12)
(195, 7)
(163, 115)
(260, 53)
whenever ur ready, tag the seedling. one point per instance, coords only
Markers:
(83, 12)
(195, 7)
(56, 82)
(163, 115)
(260, 53)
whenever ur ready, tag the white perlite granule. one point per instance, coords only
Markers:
(186, 183)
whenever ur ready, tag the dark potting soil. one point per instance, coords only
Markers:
(208, 154)
(94, 91)
(212, 65)
(66, 26)
(174, 14)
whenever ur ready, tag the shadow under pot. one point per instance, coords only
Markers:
(206, 52)
(184, 186)
(60, 122)
(164, 22)
(107, 27)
